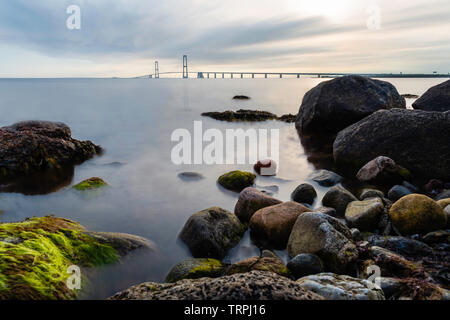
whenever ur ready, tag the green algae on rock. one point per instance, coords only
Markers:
(195, 269)
(237, 180)
(91, 183)
(35, 255)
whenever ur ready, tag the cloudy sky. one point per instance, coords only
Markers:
(125, 37)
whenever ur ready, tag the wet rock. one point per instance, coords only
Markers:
(434, 187)
(326, 210)
(381, 171)
(305, 264)
(397, 192)
(410, 96)
(413, 139)
(437, 98)
(210, 233)
(436, 237)
(190, 176)
(241, 97)
(411, 289)
(334, 105)
(417, 213)
(443, 195)
(268, 254)
(326, 237)
(274, 265)
(236, 180)
(371, 193)
(410, 187)
(241, 115)
(326, 178)
(391, 286)
(267, 167)
(195, 269)
(356, 235)
(392, 264)
(340, 287)
(401, 245)
(304, 193)
(255, 285)
(364, 215)
(274, 224)
(250, 201)
(444, 203)
(90, 184)
(338, 198)
(288, 118)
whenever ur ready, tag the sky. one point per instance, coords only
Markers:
(123, 38)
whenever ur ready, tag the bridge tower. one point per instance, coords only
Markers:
(185, 67)
(156, 70)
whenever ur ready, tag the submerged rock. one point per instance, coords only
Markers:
(190, 176)
(241, 115)
(250, 201)
(241, 97)
(255, 285)
(382, 170)
(305, 264)
(210, 233)
(413, 139)
(437, 98)
(195, 269)
(334, 105)
(338, 198)
(267, 264)
(417, 213)
(274, 224)
(90, 184)
(340, 287)
(410, 96)
(304, 193)
(237, 180)
(326, 178)
(364, 215)
(35, 255)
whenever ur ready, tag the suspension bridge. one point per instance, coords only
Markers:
(185, 74)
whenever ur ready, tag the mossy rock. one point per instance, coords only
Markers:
(195, 269)
(416, 213)
(237, 180)
(268, 264)
(90, 184)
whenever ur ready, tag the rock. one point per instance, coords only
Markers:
(210, 233)
(190, 176)
(304, 193)
(268, 254)
(288, 118)
(236, 180)
(397, 192)
(274, 265)
(35, 256)
(417, 213)
(392, 264)
(255, 285)
(443, 195)
(391, 286)
(275, 223)
(410, 187)
(434, 187)
(382, 171)
(241, 97)
(326, 237)
(241, 115)
(340, 287)
(250, 201)
(411, 289)
(338, 198)
(371, 193)
(325, 210)
(326, 178)
(305, 264)
(437, 98)
(195, 269)
(267, 167)
(32, 147)
(90, 184)
(401, 245)
(444, 203)
(447, 212)
(410, 96)
(356, 235)
(413, 139)
(334, 105)
(436, 237)
(364, 215)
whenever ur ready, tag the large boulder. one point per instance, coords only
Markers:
(338, 198)
(255, 285)
(340, 287)
(250, 201)
(382, 170)
(416, 140)
(195, 269)
(210, 233)
(417, 213)
(334, 105)
(326, 237)
(364, 215)
(274, 224)
(437, 98)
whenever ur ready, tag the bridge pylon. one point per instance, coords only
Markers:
(185, 67)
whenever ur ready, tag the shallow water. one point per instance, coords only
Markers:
(133, 120)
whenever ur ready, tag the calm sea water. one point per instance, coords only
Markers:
(133, 120)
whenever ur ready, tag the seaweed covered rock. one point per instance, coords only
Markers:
(90, 184)
(335, 104)
(210, 233)
(326, 237)
(417, 213)
(250, 201)
(268, 264)
(437, 98)
(195, 269)
(414, 139)
(35, 255)
(340, 287)
(255, 285)
(35, 146)
(236, 180)
(274, 224)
